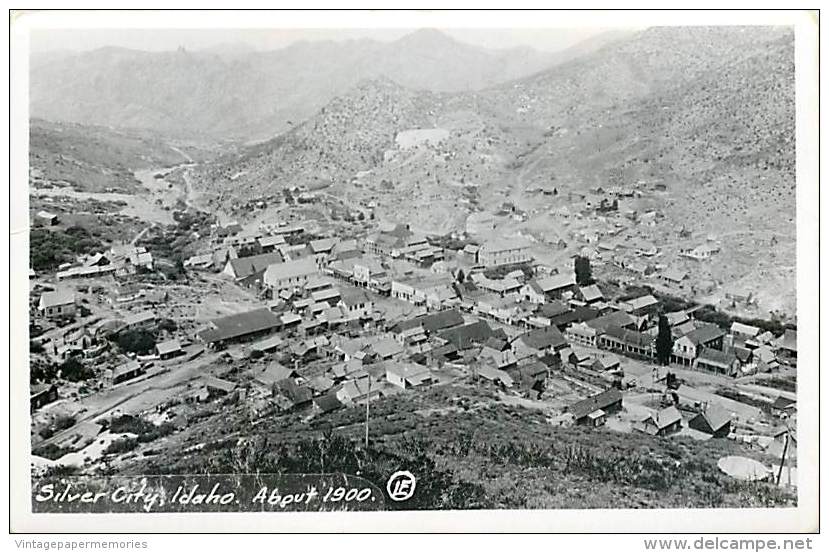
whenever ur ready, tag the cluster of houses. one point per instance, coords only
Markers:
(120, 260)
(322, 337)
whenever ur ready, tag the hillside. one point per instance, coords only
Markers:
(707, 112)
(468, 450)
(92, 159)
(229, 91)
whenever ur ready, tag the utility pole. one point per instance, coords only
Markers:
(783, 458)
(368, 402)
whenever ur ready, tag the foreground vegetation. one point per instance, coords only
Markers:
(470, 451)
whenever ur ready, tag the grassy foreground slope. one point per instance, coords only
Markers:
(468, 450)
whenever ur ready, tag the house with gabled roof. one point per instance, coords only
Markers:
(251, 267)
(499, 353)
(407, 375)
(660, 423)
(590, 294)
(504, 251)
(356, 303)
(641, 306)
(713, 420)
(59, 304)
(241, 326)
(169, 349)
(289, 275)
(718, 362)
(553, 287)
(594, 409)
(538, 342)
(627, 341)
(743, 332)
(468, 335)
(358, 391)
(499, 377)
(686, 348)
(787, 348)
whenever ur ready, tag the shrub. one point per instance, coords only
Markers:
(74, 370)
(121, 445)
(136, 341)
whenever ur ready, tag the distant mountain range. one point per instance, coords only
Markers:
(619, 113)
(230, 91)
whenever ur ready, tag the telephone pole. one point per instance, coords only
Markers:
(368, 402)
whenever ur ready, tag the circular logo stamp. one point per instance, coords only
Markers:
(401, 485)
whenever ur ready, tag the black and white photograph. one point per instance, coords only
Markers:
(455, 262)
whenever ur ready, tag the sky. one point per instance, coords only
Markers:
(550, 40)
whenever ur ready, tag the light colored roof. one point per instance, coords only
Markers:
(274, 240)
(169, 346)
(290, 269)
(554, 282)
(675, 274)
(592, 292)
(504, 244)
(744, 329)
(141, 317)
(491, 373)
(642, 301)
(666, 417)
(387, 347)
(323, 245)
(126, 368)
(268, 343)
(218, 383)
(273, 374)
(58, 297)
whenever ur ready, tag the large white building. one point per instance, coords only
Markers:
(504, 252)
(290, 275)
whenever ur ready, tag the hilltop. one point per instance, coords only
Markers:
(707, 113)
(229, 91)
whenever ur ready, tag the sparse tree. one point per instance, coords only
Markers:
(664, 341)
(584, 276)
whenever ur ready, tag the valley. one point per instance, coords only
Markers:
(516, 264)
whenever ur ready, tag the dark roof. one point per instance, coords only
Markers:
(553, 309)
(240, 324)
(328, 403)
(716, 416)
(631, 337)
(296, 393)
(617, 318)
(716, 357)
(496, 344)
(432, 322)
(599, 401)
(464, 336)
(441, 320)
(584, 313)
(533, 370)
(743, 354)
(782, 403)
(543, 338)
(354, 297)
(247, 266)
(705, 334)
